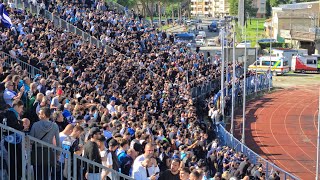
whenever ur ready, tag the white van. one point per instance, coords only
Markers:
(278, 65)
(203, 34)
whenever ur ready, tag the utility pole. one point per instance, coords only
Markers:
(256, 75)
(241, 13)
(244, 87)
(270, 69)
(222, 73)
(318, 140)
(243, 140)
(159, 9)
(233, 77)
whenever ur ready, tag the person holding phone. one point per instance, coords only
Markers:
(147, 170)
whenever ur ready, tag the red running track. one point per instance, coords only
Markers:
(282, 127)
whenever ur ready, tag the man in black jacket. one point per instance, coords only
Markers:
(91, 152)
(13, 141)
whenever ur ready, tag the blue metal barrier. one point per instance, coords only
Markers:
(226, 139)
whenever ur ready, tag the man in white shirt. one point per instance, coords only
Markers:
(111, 107)
(9, 95)
(146, 170)
(148, 152)
(213, 114)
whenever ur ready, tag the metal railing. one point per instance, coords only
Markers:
(58, 22)
(83, 166)
(204, 89)
(44, 160)
(228, 139)
(26, 157)
(31, 70)
(85, 36)
(12, 154)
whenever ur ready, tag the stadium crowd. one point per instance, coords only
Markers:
(134, 115)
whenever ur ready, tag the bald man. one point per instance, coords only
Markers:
(148, 152)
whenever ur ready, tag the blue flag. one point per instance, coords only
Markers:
(4, 17)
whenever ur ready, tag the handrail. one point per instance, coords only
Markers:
(248, 151)
(31, 70)
(85, 36)
(66, 25)
(112, 171)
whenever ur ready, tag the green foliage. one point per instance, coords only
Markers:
(247, 6)
(233, 7)
(254, 31)
(274, 45)
(127, 3)
(268, 8)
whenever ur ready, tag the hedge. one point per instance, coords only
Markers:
(274, 45)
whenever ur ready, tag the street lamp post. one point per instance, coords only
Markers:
(222, 73)
(318, 140)
(256, 74)
(244, 88)
(233, 77)
(270, 70)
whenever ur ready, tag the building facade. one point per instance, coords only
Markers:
(298, 25)
(209, 8)
(261, 6)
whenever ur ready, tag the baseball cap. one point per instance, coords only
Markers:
(113, 143)
(59, 92)
(94, 131)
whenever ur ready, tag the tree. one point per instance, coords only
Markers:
(127, 3)
(247, 6)
(233, 7)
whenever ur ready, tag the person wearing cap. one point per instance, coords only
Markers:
(91, 151)
(111, 106)
(111, 157)
(55, 102)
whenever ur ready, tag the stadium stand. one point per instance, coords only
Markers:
(96, 113)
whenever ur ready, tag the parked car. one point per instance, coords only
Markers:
(213, 26)
(200, 40)
(211, 42)
(244, 44)
(203, 34)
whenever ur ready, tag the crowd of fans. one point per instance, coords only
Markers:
(134, 115)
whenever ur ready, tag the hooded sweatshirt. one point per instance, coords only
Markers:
(40, 128)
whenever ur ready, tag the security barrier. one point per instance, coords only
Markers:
(91, 169)
(26, 157)
(228, 139)
(31, 70)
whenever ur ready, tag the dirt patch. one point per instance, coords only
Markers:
(295, 80)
